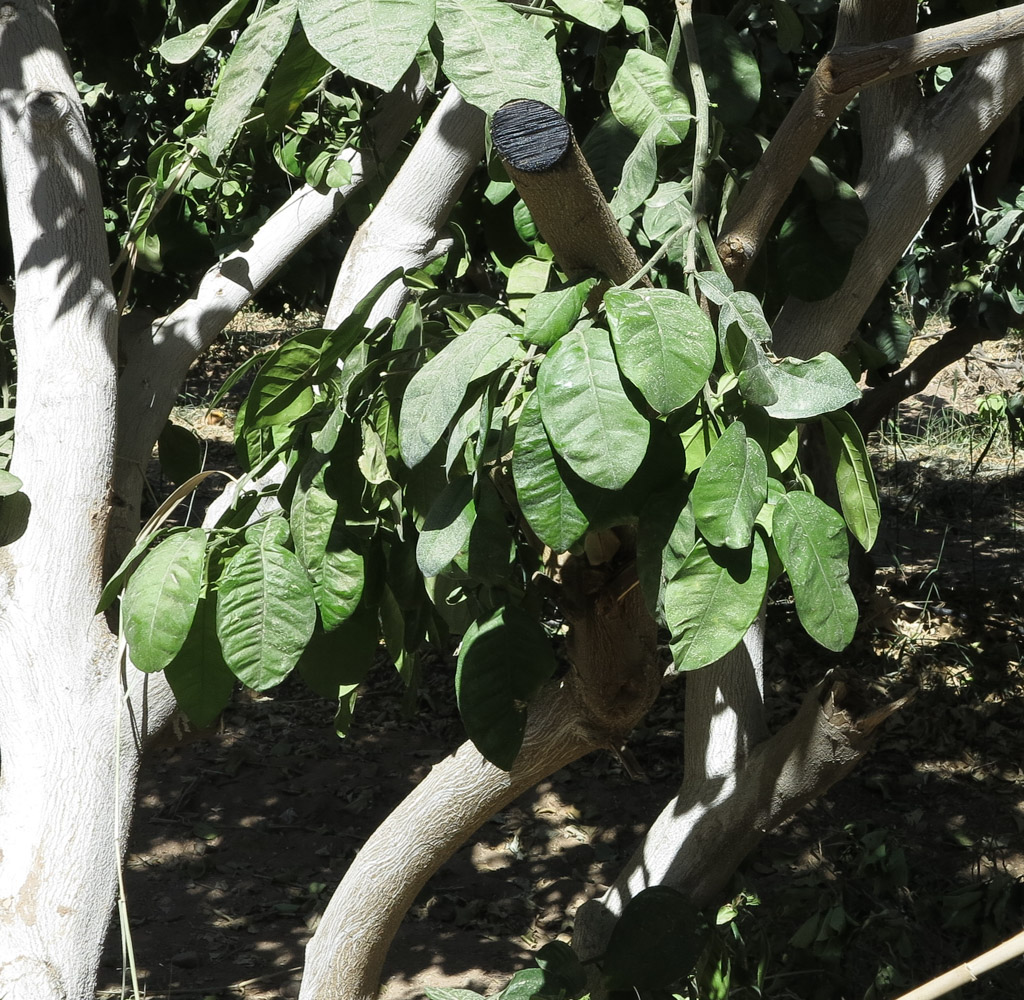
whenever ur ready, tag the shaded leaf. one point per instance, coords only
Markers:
(551, 315)
(502, 664)
(445, 532)
(855, 479)
(544, 498)
(198, 676)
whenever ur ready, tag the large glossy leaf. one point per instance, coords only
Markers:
(281, 390)
(664, 343)
(644, 93)
(730, 489)
(198, 675)
(160, 599)
(665, 535)
(435, 393)
(587, 414)
(655, 942)
(494, 55)
(333, 662)
(338, 587)
(810, 538)
(245, 72)
(265, 607)
(445, 532)
(184, 47)
(855, 479)
(544, 498)
(807, 389)
(551, 315)
(373, 40)
(712, 601)
(502, 664)
(600, 14)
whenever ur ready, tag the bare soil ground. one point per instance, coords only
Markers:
(912, 864)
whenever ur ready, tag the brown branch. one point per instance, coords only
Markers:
(836, 80)
(544, 161)
(955, 344)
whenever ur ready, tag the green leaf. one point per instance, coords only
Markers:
(338, 586)
(712, 601)
(265, 607)
(855, 479)
(589, 418)
(334, 662)
(810, 538)
(526, 984)
(198, 676)
(639, 174)
(731, 487)
(245, 72)
(600, 14)
(666, 210)
(544, 498)
(817, 241)
(644, 93)
(527, 279)
(9, 483)
(184, 47)
(562, 969)
(281, 391)
(730, 69)
(445, 532)
(503, 662)
(807, 389)
(180, 453)
(160, 599)
(372, 40)
(664, 343)
(435, 394)
(790, 27)
(665, 535)
(551, 315)
(297, 73)
(656, 941)
(494, 55)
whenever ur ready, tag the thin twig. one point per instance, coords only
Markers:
(702, 113)
(969, 971)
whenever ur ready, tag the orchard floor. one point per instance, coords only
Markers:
(913, 863)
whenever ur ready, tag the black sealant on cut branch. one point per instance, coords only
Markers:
(538, 149)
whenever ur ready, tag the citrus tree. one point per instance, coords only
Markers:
(508, 431)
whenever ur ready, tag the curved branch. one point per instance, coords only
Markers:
(954, 344)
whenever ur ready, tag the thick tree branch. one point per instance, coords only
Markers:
(900, 188)
(406, 227)
(954, 344)
(538, 149)
(836, 80)
(614, 680)
(700, 837)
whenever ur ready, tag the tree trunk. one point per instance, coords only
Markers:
(68, 762)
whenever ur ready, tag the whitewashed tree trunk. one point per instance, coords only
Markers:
(66, 777)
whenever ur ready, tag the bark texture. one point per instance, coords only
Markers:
(68, 766)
